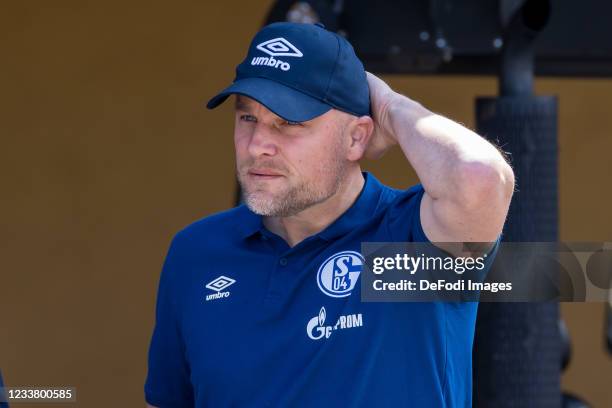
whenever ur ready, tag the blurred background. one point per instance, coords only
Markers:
(107, 151)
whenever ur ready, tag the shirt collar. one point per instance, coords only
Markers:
(363, 207)
(250, 223)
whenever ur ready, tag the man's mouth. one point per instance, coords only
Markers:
(264, 174)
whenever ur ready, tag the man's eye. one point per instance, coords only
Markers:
(248, 118)
(290, 123)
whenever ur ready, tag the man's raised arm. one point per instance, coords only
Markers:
(468, 184)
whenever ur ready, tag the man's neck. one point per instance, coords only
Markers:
(315, 219)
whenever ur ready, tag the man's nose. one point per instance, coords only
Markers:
(262, 142)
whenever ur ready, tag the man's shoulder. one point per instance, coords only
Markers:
(220, 226)
(392, 197)
(400, 211)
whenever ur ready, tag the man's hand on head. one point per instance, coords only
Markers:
(381, 99)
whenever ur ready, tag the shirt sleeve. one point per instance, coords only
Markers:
(404, 222)
(404, 219)
(168, 379)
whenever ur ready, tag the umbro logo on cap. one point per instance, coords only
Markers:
(276, 47)
(279, 47)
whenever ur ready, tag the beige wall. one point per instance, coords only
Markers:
(107, 151)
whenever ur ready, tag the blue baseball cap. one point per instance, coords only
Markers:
(300, 71)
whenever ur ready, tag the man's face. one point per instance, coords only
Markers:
(284, 167)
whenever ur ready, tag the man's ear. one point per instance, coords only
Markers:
(360, 132)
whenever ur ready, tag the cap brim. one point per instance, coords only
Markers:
(284, 101)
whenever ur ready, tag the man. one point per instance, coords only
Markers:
(260, 305)
(3, 403)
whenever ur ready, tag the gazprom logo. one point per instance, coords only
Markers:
(276, 47)
(317, 329)
(339, 273)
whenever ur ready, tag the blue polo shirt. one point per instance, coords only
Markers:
(244, 320)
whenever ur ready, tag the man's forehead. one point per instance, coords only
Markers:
(242, 101)
(250, 105)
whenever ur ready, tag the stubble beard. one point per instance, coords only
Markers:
(296, 198)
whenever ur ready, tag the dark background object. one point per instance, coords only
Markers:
(608, 324)
(572, 401)
(465, 37)
(517, 347)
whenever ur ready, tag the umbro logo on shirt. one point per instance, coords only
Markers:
(276, 47)
(222, 282)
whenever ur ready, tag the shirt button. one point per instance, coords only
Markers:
(282, 261)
